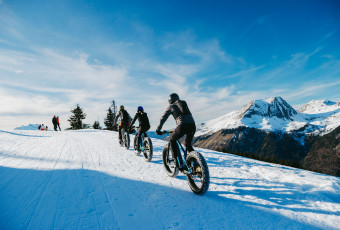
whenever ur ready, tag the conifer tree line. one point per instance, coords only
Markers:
(78, 115)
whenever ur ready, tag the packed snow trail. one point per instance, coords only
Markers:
(85, 180)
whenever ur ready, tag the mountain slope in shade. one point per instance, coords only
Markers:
(275, 114)
(324, 155)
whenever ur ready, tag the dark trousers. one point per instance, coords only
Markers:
(141, 130)
(55, 127)
(59, 127)
(181, 130)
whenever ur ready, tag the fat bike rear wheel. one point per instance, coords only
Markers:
(126, 140)
(199, 177)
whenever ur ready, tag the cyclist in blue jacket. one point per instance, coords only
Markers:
(144, 124)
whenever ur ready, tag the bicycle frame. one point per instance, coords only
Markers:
(179, 156)
(141, 147)
(141, 140)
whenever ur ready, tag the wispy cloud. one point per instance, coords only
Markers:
(245, 72)
(311, 88)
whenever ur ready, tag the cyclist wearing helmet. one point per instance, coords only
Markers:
(124, 120)
(185, 124)
(144, 124)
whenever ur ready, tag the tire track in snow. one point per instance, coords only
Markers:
(47, 185)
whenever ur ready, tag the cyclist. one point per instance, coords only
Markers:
(124, 121)
(185, 125)
(144, 124)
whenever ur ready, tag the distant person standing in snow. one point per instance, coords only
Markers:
(42, 127)
(58, 123)
(55, 123)
(39, 127)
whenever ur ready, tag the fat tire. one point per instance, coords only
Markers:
(148, 149)
(127, 140)
(172, 172)
(205, 173)
(137, 153)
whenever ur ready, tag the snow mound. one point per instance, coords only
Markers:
(28, 127)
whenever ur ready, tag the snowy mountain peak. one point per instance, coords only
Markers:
(319, 106)
(275, 114)
(271, 107)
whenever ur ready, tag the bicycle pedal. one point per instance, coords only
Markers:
(184, 171)
(172, 164)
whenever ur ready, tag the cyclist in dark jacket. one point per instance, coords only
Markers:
(124, 121)
(185, 124)
(144, 124)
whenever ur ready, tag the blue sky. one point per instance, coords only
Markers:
(217, 55)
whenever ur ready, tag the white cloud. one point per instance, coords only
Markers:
(52, 83)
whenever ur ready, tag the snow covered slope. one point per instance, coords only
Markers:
(275, 114)
(319, 106)
(85, 180)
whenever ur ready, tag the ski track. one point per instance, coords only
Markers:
(85, 180)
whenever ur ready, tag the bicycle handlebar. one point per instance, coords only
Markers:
(166, 131)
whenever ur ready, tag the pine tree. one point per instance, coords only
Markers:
(114, 111)
(109, 120)
(96, 125)
(77, 117)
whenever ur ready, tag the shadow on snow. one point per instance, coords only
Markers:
(83, 199)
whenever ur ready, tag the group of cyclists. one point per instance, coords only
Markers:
(181, 113)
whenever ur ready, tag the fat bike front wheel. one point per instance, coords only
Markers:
(199, 178)
(148, 150)
(135, 146)
(168, 162)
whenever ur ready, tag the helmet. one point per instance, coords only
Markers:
(173, 98)
(121, 107)
(140, 108)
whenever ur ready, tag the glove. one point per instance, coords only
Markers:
(158, 132)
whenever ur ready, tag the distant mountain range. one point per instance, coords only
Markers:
(273, 129)
(275, 114)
